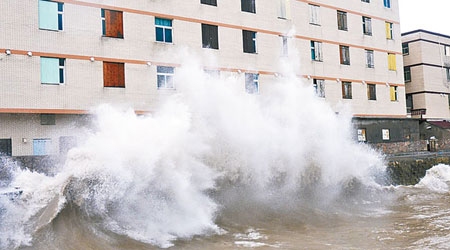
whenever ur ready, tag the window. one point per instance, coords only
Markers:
(394, 93)
(42, 146)
(48, 119)
(386, 134)
(212, 72)
(314, 14)
(50, 15)
(210, 36)
(405, 49)
(370, 60)
(284, 46)
(367, 25)
(5, 147)
(447, 50)
(112, 23)
(319, 87)
(249, 39)
(251, 83)
(447, 70)
(316, 51)
(392, 62)
(409, 103)
(387, 3)
(113, 74)
(389, 31)
(248, 6)
(365, 1)
(342, 20)
(52, 70)
(407, 74)
(344, 52)
(372, 92)
(346, 90)
(285, 9)
(362, 135)
(163, 30)
(209, 2)
(165, 77)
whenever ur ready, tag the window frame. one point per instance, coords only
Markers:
(164, 28)
(120, 70)
(248, 6)
(61, 70)
(209, 2)
(252, 83)
(314, 14)
(316, 51)
(213, 40)
(319, 87)
(405, 73)
(370, 60)
(344, 53)
(253, 36)
(347, 90)
(405, 49)
(59, 16)
(393, 90)
(120, 33)
(342, 21)
(371, 97)
(160, 72)
(367, 26)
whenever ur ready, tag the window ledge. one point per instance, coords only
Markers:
(113, 37)
(315, 24)
(166, 43)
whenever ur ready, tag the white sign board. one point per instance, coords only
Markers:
(386, 135)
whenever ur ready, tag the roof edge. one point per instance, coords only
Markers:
(425, 31)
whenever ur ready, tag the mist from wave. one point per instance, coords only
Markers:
(209, 150)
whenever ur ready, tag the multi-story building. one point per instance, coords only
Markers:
(60, 58)
(427, 74)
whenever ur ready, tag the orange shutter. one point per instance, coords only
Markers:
(113, 24)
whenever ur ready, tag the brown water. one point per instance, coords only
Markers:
(399, 218)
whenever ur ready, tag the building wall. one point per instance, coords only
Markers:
(400, 130)
(21, 90)
(429, 86)
(22, 129)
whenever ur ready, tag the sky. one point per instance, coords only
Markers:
(432, 15)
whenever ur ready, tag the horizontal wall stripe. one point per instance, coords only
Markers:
(78, 57)
(351, 80)
(428, 92)
(139, 112)
(348, 11)
(424, 31)
(55, 111)
(380, 116)
(426, 40)
(427, 64)
(194, 20)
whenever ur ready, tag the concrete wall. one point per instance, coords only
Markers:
(400, 130)
(429, 85)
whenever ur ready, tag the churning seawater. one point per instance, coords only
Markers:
(216, 168)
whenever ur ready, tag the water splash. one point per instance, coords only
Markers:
(209, 146)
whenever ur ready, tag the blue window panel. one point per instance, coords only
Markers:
(50, 70)
(168, 33)
(164, 69)
(103, 13)
(48, 15)
(60, 22)
(60, 7)
(387, 3)
(161, 81)
(41, 146)
(163, 22)
(169, 82)
(61, 75)
(159, 34)
(313, 51)
(103, 27)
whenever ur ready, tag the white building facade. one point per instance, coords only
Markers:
(427, 74)
(61, 58)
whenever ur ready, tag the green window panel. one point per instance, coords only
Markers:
(50, 70)
(48, 15)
